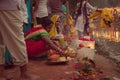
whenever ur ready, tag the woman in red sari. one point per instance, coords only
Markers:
(38, 40)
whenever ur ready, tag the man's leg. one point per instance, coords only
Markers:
(25, 75)
(1, 59)
(14, 39)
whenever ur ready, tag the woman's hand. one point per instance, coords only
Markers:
(54, 46)
(62, 52)
(54, 38)
(64, 48)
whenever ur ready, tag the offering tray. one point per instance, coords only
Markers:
(61, 60)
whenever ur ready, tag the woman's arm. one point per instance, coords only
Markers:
(53, 46)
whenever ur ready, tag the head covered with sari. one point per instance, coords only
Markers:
(56, 22)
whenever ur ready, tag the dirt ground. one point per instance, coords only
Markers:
(108, 66)
(63, 71)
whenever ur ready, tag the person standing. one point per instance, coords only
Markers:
(23, 10)
(82, 21)
(12, 36)
(41, 11)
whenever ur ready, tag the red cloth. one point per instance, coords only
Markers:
(35, 48)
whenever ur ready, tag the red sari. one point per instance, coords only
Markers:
(35, 44)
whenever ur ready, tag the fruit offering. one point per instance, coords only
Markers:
(54, 57)
(52, 53)
(81, 45)
(70, 52)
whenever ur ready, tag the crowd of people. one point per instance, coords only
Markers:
(30, 27)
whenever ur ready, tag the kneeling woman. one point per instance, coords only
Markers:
(38, 40)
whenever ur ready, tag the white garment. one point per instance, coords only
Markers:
(89, 6)
(42, 10)
(9, 4)
(80, 20)
(23, 10)
(79, 23)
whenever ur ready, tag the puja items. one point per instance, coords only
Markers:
(87, 46)
(61, 39)
(87, 42)
(85, 69)
(53, 57)
(70, 52)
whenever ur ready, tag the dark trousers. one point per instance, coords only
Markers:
(41, 20)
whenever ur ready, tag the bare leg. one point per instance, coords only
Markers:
(25, 75)
(23, 70)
